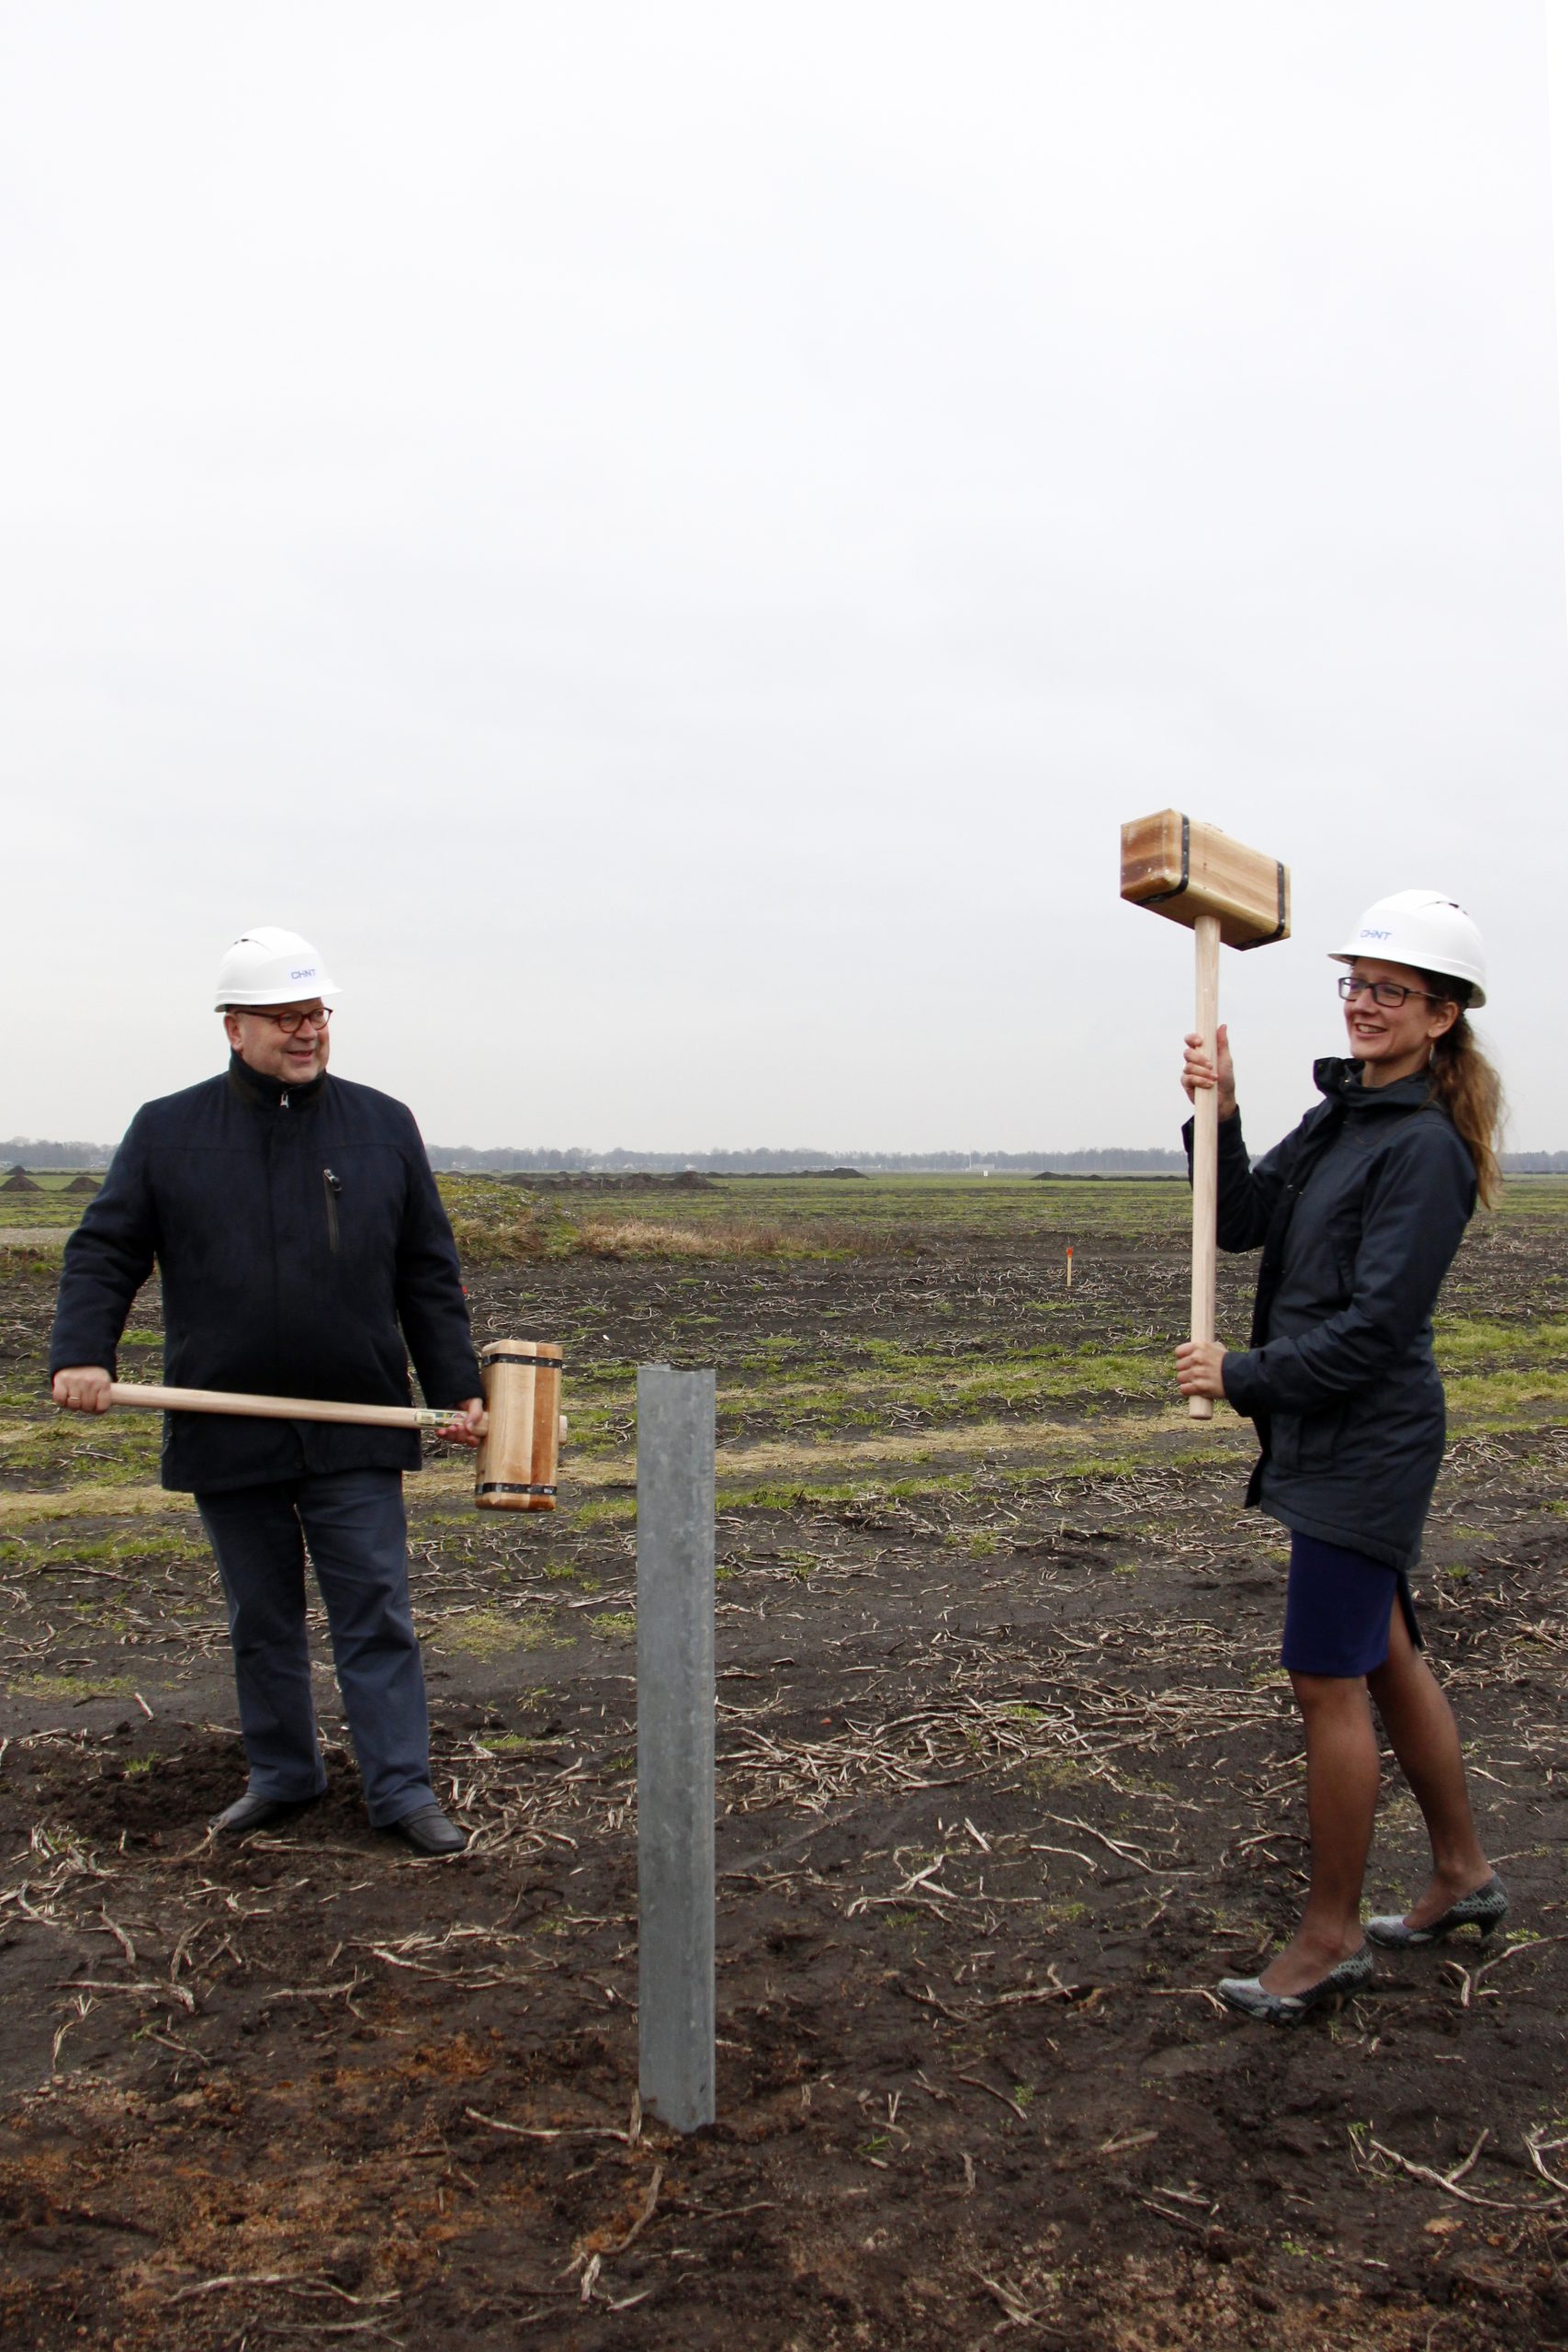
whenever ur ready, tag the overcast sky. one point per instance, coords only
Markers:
(668, 537)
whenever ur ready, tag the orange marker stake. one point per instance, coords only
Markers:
(1069, 1266)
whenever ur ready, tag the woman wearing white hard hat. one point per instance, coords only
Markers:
(1360, 1212)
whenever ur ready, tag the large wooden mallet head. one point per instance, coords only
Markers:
(1222, 890)
(516, 1467)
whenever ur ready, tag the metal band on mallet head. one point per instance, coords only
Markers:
(517, 1458)
(1222, 890)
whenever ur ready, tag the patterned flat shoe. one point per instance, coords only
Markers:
(1247, 1995)
(1486, 1910)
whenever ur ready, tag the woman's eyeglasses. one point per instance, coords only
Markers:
(1388, 993)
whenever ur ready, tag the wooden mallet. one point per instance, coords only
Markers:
(516, 1467)
(1222, 890)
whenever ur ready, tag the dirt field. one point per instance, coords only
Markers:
(1007, 1778)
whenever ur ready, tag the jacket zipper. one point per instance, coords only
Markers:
(331, 1186)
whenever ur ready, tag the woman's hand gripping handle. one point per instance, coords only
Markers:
(1199, 1071)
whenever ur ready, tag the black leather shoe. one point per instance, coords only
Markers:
(254, 1812)
(429, 1832)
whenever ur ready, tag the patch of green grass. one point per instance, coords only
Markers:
(500, 1225)
(818, 1217)
(120, 1549)
(946, 1388)
(1465, 1339)
(603, 1511)
(34, 1271)
(104, 1612)
(33, 1212)
(1049, 1772)
(111, 1450)
(908, 1927)
(613, 1623)
(1499, 1371)
(1494, 1399)
(70, 1688)
(1087, 1469)
(490, 1633)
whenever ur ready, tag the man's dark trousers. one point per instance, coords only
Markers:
(353, 1523)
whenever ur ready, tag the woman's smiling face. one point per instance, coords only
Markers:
(1393, 1041)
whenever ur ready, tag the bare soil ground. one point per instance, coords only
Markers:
(1007, 1778)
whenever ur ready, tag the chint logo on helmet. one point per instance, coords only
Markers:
(306, 972)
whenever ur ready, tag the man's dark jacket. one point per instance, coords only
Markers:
(304, 1253)
(1360, 1212)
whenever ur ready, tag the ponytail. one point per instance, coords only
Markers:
(1469, 1089)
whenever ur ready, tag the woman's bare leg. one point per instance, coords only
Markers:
(1342, 1797)
(1425, 1737)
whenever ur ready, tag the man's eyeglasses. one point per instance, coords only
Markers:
(289, 1021)
(1387, 993)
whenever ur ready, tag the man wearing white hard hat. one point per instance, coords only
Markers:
(303, 1252)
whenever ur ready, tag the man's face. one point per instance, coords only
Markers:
(258, 1036)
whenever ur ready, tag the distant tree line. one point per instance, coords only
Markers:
(763, 1162)
(33, 1151)
(38, 1151)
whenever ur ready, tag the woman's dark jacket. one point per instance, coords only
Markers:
(304, 1253)
(1360, 1212)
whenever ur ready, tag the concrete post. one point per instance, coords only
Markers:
(675, 1742)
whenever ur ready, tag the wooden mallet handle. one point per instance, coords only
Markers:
(150, 1398)
(154, 1399)
(1205, 1148)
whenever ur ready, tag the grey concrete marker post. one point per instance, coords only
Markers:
(674, 1743)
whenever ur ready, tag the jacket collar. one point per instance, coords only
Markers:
(267, 1093)
(1341, 1082)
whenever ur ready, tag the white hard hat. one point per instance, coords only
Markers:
(270, 966)
(1426, 930)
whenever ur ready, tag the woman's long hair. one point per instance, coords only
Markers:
(1469, 1087)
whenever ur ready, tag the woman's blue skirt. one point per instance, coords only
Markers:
(1337, 1610)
